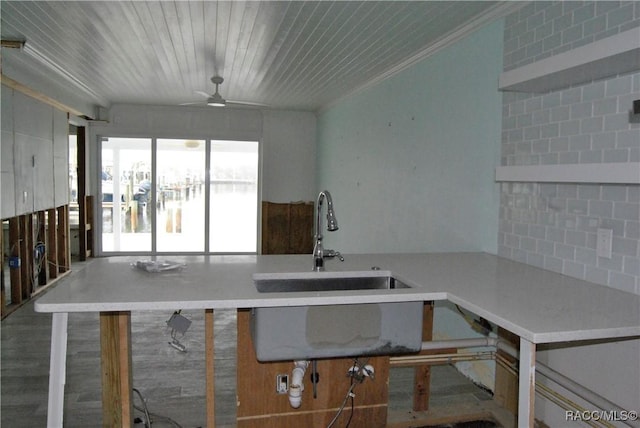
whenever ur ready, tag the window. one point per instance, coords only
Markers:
(155, 191)
(73, 175)
(234, 196)
(127, 222)
(180, 195)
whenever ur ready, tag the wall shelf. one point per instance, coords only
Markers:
(603, 173)
(607, 57)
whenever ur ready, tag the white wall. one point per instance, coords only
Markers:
(289, 156)
(410, 161)
(35, 155)
(410, 164)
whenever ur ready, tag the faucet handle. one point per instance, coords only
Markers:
(333, 253)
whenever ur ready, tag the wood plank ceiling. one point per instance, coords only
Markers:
(299, 55)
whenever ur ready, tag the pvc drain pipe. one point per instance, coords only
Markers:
(297, 385)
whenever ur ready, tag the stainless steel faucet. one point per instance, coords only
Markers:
(319, 253)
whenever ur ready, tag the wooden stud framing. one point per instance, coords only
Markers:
(41, 239)
(117, 384)
(64, 259)
(506, 383)
(84, 204)
(26, 266)
(526, 383)
(15, 245)
(422, 373)
(52, 243)
(26, 233)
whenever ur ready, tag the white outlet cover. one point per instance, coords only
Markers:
(604, 242)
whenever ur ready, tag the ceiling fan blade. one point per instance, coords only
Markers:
(217, 100)
(246, 103)
(197, 103)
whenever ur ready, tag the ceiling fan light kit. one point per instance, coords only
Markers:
(216, 99)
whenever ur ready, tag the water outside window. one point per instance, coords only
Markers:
(234, 196)
(126, 215)
(161, 208)
(180, 195)
(73, 176)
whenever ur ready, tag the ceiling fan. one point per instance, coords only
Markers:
(216, 100)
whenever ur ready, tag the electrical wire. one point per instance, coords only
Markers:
(344, 403)
(147, 414)
(466, 317)
(352, 407)
(357, 376)
(144, 409)
(39, 257)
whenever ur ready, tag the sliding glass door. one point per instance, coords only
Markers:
(126, 218)
(154, 196)
(180, 193)
(234, 196)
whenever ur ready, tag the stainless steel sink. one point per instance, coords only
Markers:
(308, 332)
(325, 283)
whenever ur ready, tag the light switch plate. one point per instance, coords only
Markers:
(604, 243)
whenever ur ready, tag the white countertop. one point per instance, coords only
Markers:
(538, 305)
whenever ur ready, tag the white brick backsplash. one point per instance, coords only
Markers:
(626, 211)
(629, 138)
(632, 266)
(554, 226)
(545, 28)
(632, 230)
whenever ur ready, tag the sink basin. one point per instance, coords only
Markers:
(328, 331)
(315, 282)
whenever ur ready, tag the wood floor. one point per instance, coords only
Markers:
(171, 382)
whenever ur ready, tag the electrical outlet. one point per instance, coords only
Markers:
(604, 243)
(282, 383)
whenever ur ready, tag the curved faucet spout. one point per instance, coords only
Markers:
(332, 225)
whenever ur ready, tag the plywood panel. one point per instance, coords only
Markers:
(301, 238)
(275, 228)
(374, 416)
(287, 228)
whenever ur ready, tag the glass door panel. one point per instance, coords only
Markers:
(180, 194)
(233, 197)
(126, 173)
